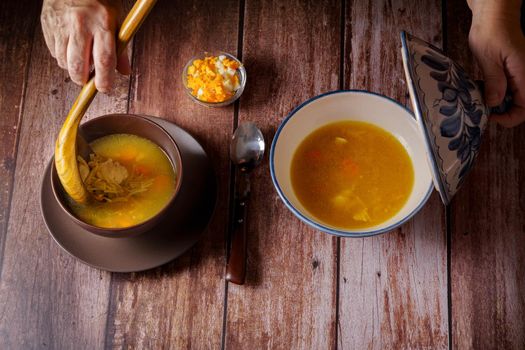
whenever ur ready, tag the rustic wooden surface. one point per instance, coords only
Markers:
(488, 231)
(15, 52)
(445, 279)
(393, 288)
(48, 299)
(181, 304)
(291, 50)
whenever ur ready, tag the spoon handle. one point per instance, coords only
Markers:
(133, 21)
(236, 268)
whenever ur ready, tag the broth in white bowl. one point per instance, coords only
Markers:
(341, 106)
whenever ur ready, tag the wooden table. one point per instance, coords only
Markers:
(450, 277)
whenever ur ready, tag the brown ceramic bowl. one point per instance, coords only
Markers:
(123, 124)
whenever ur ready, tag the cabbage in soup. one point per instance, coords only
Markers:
(352, 174)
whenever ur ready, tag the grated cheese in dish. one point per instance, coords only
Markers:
(213, 79)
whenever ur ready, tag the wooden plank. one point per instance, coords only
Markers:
(488, 226)
(47, 298)
(292, 52)
(180, 305)
(16, 37)
(393, 287)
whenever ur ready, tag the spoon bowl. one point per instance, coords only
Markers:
(247, 146)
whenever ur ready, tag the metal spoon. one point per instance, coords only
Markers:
(246, 152)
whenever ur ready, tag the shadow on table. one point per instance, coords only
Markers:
(261, 216)
(262, 85)
(193, 262)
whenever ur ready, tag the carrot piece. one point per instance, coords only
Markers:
(315, 155)
(350, 167)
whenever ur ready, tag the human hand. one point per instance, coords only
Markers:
(80, 33)
(498, 43)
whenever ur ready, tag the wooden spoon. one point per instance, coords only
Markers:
(66, 144)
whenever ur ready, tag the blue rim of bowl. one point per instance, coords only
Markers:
(307, 220)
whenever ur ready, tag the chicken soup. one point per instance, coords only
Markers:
(352, 175)
(130, 178)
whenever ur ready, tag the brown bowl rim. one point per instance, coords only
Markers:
(139, 228)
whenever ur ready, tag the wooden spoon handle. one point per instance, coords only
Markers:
(65, 148)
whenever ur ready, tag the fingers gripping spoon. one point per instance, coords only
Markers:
(66, 144)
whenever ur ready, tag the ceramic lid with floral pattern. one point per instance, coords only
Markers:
(450, 111)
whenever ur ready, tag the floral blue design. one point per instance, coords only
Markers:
(462, 114)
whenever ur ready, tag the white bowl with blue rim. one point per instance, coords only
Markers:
(341, 106)
(442, 139)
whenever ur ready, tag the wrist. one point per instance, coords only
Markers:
(492, 12)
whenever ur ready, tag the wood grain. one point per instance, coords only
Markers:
(16, 37)
(488, 228)
(393, 287)
(47, 298)
(392, 290)
(180, 305)
(291, 50)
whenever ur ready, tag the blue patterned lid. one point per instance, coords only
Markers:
(450, 111)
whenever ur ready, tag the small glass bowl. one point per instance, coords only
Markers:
(241, 72)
